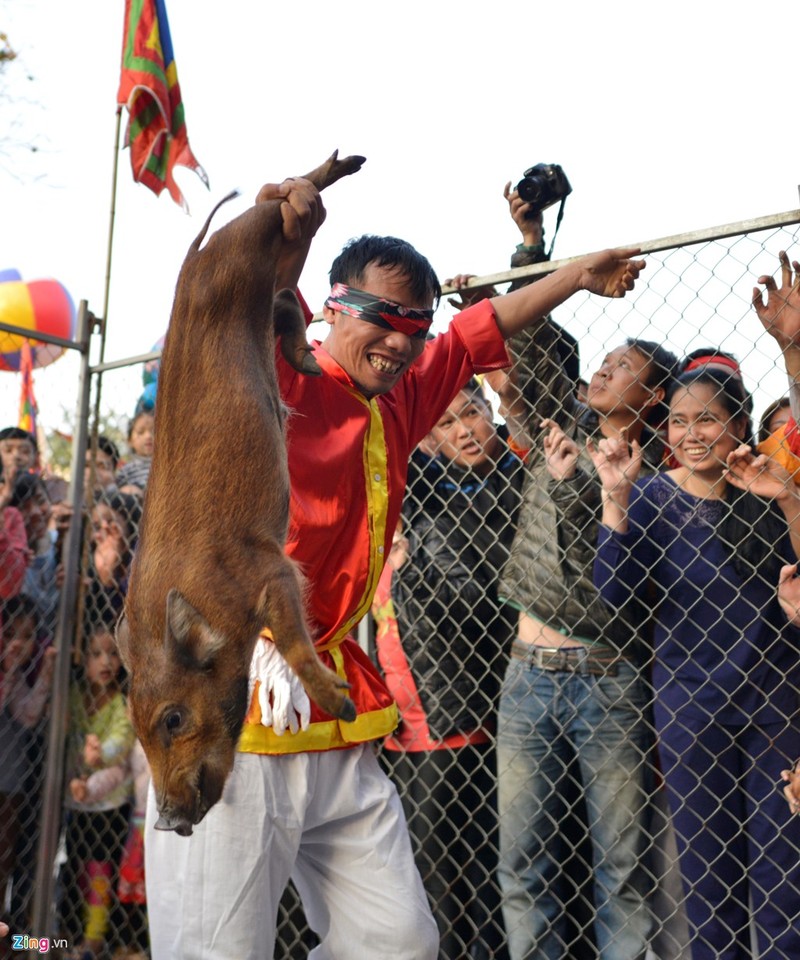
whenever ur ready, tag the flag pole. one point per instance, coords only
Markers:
(106, 289)
(111, 219)
(95, 425)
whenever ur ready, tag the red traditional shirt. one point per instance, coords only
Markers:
(348, 460)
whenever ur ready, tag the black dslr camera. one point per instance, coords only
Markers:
(543, 185)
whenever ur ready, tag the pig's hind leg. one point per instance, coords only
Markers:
(290, 326)
(283, 611)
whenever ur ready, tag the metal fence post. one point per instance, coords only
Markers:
(52, 801)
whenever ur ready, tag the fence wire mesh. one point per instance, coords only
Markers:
(616, 796)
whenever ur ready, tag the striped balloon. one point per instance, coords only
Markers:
(38, 305)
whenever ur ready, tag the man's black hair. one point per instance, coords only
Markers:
(17, 433)
(349, 267)
(109, 448)
(474, 388)
(662, 368)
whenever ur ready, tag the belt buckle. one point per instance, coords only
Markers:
(555, 660)
(565, 665)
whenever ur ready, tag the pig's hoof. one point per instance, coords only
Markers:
(309, 365)
(347, 711)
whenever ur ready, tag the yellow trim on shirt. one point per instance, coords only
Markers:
(376, 724)
(325, 735)
(377, 490)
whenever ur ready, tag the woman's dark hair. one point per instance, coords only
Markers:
(764, 431)
(751, 527)
(726, 362)
(728, 391)
(360, 252)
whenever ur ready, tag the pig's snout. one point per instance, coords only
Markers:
(180, 825)
(183, 802)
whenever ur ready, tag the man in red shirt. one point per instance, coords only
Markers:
(312, 803)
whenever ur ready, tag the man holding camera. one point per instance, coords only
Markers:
(573, 708)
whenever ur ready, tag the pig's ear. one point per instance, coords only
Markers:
(123, 636)
(188, 634)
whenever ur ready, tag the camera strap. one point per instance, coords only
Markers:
(559, 218)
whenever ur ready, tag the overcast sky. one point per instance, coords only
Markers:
(666, 118)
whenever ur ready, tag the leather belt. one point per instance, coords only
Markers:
(599, 663)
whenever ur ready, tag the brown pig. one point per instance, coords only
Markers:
(210, 569)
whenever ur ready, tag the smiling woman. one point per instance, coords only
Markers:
(703, 545)
(706, 424)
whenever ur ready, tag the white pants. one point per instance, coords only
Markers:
(333, 822)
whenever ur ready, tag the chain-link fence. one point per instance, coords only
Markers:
(593, 725)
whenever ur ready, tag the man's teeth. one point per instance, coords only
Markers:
(385, 366)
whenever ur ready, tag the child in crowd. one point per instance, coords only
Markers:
(19, 452)
(100, 473)
(14, 553)
(30, 497)
(115, 528)
(773, 418)
(101, 736)
(26, 675)
(132, 476)
(131, 889)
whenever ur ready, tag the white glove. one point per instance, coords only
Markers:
(290, 704)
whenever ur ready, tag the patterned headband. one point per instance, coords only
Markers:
(383, 313)
(714, 359)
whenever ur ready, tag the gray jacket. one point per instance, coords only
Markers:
(549, 572)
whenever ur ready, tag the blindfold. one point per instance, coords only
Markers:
(383, 313)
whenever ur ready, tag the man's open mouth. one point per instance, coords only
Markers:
(383, 365)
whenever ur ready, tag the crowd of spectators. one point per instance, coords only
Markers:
(100, 809)
(639, 701)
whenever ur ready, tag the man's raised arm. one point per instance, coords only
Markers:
(609, 273)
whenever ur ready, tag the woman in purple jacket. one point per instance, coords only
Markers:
(703, 543)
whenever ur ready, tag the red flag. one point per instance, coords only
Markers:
(27, 401)
(149, 88)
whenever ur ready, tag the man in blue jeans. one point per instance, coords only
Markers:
(573, 698)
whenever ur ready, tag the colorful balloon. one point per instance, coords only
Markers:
(43, 306)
